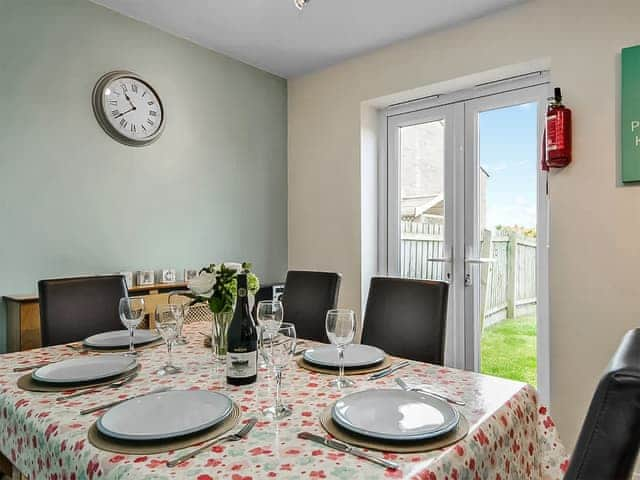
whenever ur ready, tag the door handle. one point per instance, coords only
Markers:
(479, 261)
(468, 281)
(439, 259)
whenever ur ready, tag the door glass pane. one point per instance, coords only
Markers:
(422, 200)
(506, 208)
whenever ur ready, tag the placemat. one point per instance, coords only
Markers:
(387, 362)
(421, 446)
(26, 382)
(155, 343)
(103, 442)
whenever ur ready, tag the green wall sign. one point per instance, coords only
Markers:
(631, 114)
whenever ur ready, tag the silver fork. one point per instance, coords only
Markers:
(117, 384)
(405, 386)
(233, 437)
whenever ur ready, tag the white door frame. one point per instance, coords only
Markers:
(534, 86)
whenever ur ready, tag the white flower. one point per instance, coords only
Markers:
(203, 284)
(233, 266)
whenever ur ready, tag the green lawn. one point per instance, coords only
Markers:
(508, 349)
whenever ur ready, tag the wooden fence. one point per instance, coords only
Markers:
(510, 280)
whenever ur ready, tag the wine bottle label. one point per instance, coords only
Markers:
(242, 365)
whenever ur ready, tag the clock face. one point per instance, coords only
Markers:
(128, 108)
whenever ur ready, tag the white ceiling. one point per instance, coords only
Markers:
(274, 36)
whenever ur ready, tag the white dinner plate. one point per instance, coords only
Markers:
(163, 415)
(355, 355)
(84, 369)
(120, 338)
(395, 415)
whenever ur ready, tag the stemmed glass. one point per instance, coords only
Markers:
(277, 347)
(269, 314)
(341, 328)
(178, 298)
(131, 310)
(168, 319)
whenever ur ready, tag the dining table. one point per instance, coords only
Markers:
(511, 433)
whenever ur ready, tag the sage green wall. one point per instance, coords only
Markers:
(73, 201)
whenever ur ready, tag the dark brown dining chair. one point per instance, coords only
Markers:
(307, 297)
(72, 309)
(608, 443)
(407, 318)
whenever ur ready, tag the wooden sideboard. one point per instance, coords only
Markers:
(23, 313)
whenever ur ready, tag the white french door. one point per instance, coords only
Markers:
(442, 206)
(425, 146)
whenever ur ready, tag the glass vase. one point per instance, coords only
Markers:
(220, 328)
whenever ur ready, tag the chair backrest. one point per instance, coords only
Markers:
(610, 437)
(407, 318)
(307, 298)
(198, 312)
(72, 309)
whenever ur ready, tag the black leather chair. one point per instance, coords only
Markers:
(72, 309)
(608, 443)
(306, 299)
(407, 318)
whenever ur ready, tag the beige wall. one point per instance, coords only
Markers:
(595, 224)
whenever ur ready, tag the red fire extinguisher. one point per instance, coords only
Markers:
(557, 148)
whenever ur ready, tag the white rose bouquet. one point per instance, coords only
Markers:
(217, 285)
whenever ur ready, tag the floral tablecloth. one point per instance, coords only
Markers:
(511, 435)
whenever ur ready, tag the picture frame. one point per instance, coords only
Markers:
(189, 274)
(145, 277)
(168, 275)
(128, 278)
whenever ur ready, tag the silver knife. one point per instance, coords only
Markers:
(389, 370)
(97, 388)
(26, 368)
(343, 447)
(118, 402)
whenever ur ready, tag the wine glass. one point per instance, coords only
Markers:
(269, 314)
(131, 310)
(341, 328)
(179, 298)
(168, 318)
(277, 347)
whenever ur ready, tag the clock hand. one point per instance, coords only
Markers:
(129, 100)
(124, 113)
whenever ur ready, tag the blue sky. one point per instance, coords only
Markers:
(509, 153)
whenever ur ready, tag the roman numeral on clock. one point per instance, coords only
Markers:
(150, 122)
(123, 123)
(113, 102)
(134, 88)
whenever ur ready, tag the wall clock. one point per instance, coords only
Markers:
(128, 108)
